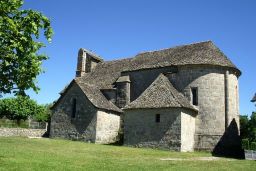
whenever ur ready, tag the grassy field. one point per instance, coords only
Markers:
(49, 154)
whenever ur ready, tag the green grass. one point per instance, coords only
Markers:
(48, 154)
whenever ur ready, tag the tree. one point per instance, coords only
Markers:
(244, 126)
(20, 62)
(44, 113)
(19, 108)
(252, 127)
(248, 127)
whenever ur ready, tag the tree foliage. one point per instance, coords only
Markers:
(248, 127)
(18, 108)
(44, 113)
(21, 108)
(20, 62)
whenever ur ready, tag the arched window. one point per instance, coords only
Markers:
(73, 108)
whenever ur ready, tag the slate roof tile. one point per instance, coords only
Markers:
(160, 94)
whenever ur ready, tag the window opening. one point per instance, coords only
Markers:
(73, 108)
(194, 91)
(157, 118)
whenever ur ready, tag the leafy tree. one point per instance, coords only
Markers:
(248, 127)
(19, 108)
(44, 113)
(20, 62)
(252, 127)
(244, 126)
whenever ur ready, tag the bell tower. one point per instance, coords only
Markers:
(86, 62)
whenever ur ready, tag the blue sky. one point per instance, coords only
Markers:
(117, 29)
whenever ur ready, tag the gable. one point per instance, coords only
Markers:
(96, 98)
(72, 91)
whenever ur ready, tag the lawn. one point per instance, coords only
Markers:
(49, 154)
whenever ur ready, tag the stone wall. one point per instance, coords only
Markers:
(233, 99)
(122, 94)
(110, 94)
(142, 130)
(187, 130)
(107, 128)
(83, 126)
(140, 80)
(8, 132)
(210, 83)
(206, 142)
(211, 96)
(89, 124)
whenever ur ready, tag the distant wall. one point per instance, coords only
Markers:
(23, 132)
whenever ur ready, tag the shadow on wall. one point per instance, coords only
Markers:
(230, 143)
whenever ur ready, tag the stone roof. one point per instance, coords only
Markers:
(95, 56)
(97, 98)
(203, 53)
(198, 53)
(160, 94)
(254, 98)
(106, 73)
(93, 94)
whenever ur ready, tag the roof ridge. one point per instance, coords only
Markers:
(170, 84)
(178, 46)
(90, 52)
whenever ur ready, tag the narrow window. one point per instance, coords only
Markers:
(73, 109)
(157, 118)
(194, 92)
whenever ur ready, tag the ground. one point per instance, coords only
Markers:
(48, 154)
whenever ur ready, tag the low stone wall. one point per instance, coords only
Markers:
(8, 132)
(250, 154)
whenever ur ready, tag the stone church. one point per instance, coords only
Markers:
(182, 98)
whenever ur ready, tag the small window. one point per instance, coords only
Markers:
(157, 118)
(194, 92)
(73, 108)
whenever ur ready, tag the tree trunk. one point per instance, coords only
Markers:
(18, 122)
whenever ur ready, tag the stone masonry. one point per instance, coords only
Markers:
(23, 132)
(193, 88)
(170, 133)
(89, 124)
